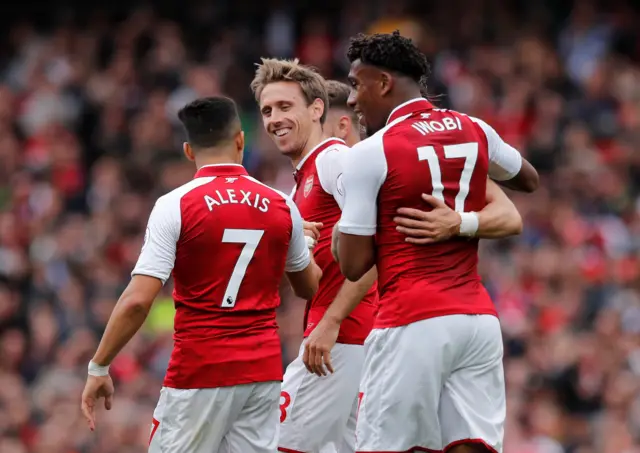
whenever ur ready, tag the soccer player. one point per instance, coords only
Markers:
(317, 411)
(433, 377)
(498, 219)
(228, 239)
(341, 122)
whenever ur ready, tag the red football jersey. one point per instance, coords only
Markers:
(228, 240)
(423, 150)
(315, 195)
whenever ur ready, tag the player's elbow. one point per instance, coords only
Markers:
(528, 179)
(356, 255)
(136, 303)
(306, 282)
(531, 183)
(139, 295)
(353, 271)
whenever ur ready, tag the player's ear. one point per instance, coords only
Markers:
(317, 109)
(386, 83)
(240, 141)
(344, 127)
(188, 151)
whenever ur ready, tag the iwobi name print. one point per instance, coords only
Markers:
(231, 196)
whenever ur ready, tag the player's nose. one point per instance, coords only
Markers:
(275, 120)
(351, 100)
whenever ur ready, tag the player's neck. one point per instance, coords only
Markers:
(203, 161)
(315, 138)
(405, 95)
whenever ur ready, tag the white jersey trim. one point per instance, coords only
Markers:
(364, 171)
(314, 149)
(329, 167)
(158, 254)
(505, 161)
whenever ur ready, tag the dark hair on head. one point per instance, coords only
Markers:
(390, 51)
(338, 94)
(210, 121)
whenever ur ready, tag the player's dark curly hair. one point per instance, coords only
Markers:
(392, 52)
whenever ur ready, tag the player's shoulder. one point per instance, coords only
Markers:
(480, 122)
(272, 191)
(334, 148)
(371, 143)
(332, 154)
(172, 199)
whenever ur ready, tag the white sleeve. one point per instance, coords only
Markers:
(504, 160)
(364, 171)
(329, 167)
(158, 253)
(298, 256)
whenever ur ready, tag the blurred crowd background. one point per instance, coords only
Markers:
(89, 139)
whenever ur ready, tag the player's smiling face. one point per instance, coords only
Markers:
(286, 116)
(366, 96)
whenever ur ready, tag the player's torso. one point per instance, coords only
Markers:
(230, 259)
(316, 205)
(441, 153)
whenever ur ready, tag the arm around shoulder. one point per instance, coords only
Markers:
(500, 217)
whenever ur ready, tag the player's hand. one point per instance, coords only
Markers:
(421, 227)
(96, 387)
(312, 231)
(317, 349)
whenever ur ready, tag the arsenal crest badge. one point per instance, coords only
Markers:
(308, 184)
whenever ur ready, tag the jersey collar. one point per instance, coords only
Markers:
(409, 107)
(221, 170)
(319, 147)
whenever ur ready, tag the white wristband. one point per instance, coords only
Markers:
(97, 370)
(468, 224)
(311, 243)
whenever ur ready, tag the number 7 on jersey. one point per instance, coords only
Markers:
(250, 239)
(468, 151)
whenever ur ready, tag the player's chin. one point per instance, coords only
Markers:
(284, 144)
(288, 148)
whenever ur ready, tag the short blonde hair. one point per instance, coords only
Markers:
(273, 70)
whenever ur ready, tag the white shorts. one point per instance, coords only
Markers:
(318, 414)
(433, 384)
(237, 419)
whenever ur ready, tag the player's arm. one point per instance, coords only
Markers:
(301, 269)
(364, 171)
(127, 317)
(498, 219)
(329, 166)
(153, 268)
(506, 164)
(317, 351)
(317, 348)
